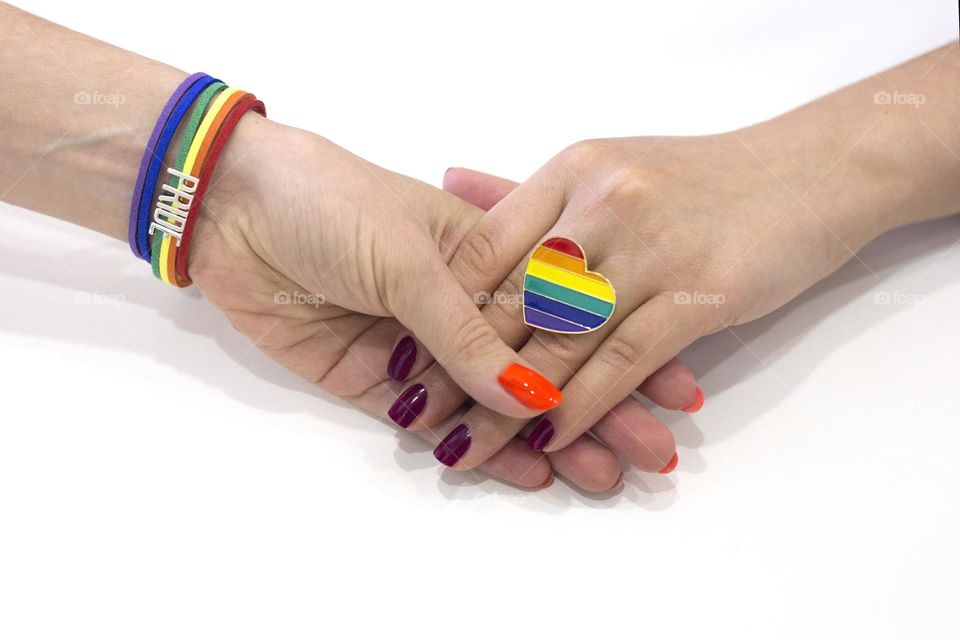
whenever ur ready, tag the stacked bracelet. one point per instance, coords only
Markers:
(161, 224)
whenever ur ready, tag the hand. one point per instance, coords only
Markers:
(630, 431)
(320, 223)
(241, 260)
(695, 234)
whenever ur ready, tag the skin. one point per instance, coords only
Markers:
(701, 233)
(289, 211)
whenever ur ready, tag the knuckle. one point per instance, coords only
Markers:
(506, 303)
(581, 153)
(474, 338)
(620, 353)
(625, 186)
(561, 347)
(510, 288)
(476, 256)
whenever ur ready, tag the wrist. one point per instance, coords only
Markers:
(233, 193)
(874, 156)
(847, 186)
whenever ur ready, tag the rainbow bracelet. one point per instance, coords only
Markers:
(153, 155)
(163, 238)
(191, 130)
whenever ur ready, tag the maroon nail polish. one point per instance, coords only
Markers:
(541, 435)
(408, 405)
(402, 359)
(454, 446)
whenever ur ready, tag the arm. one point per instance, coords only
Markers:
(328, 222)
(76, 113)
(74, 118)
(700, 233)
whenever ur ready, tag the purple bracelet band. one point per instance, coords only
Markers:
(149, 152)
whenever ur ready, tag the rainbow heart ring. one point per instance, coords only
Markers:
(560, 294)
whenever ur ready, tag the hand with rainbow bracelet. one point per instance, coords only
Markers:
(207, 190)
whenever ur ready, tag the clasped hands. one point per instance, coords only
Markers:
(694, 233)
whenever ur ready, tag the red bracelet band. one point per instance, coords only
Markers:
(248, 102)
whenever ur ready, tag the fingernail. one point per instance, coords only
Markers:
(408, 405)
(541, 435)
(618, 485)
(529, 387)
(402, 359)
(546, 483)
(454, 446)
(697, 402)
(670, 465)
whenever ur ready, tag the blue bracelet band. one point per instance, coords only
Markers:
(156, 156)
(148, 153)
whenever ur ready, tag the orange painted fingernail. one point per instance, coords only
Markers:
(670, 465)
(529, 387)
(546, 483)
(697, 402)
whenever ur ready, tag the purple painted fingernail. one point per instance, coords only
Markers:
(402, 359)
(408, 405)
(454, 446)
(541, 435)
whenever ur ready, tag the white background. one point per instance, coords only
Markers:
(818, 492)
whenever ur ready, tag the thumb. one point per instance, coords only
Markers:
(428, 300)
(479, 189)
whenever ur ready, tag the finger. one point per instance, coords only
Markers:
(516, 463)
(479, 189)
(361, 363)
(636, 434)
(642, 343)
(673, 386)
(502, 238)
(586, 463)
(629, 429)
(425, 297)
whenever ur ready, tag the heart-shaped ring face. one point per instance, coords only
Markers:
(560, 294)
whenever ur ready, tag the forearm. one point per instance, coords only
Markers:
(879, 154)
(76, 114)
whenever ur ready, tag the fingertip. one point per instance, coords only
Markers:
(446, 177)
(546, 483)
(670, 466)
(588, 464)
(697, 403)
(672, 386)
